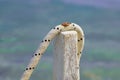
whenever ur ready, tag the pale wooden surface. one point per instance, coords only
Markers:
(66, 64)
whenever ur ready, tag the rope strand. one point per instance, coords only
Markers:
(66, 26)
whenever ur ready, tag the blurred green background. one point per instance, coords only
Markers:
(23, 24)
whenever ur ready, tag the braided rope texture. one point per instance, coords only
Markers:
(66, 26)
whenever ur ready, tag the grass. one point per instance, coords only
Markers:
(101, 73)
(105, 56)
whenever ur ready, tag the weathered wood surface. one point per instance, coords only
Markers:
(66, 64)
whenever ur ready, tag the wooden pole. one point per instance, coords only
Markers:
(66, 63)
